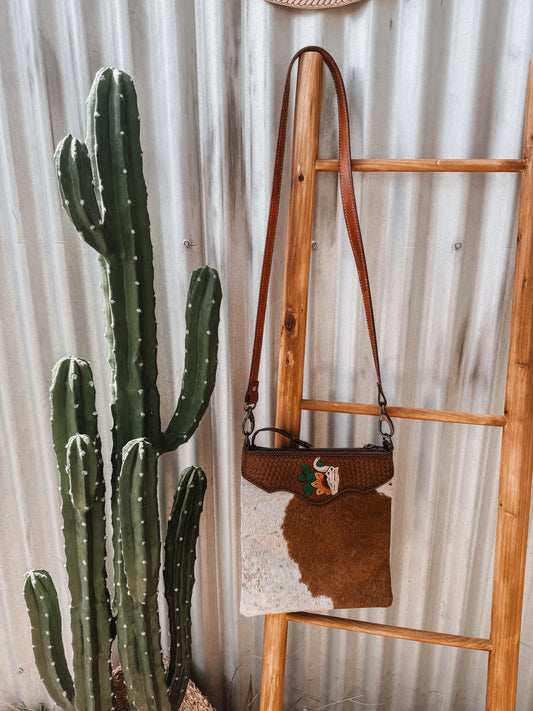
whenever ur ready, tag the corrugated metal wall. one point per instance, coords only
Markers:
(433, 78)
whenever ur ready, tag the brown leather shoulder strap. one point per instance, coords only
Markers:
(350, 216)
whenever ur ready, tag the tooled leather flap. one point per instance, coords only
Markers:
(318, 476)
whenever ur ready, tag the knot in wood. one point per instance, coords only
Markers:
(289, 322)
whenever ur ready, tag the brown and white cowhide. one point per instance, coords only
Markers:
(296, 556)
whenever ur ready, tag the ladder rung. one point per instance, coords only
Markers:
(428, 165)
(409, 413)
(448, 640)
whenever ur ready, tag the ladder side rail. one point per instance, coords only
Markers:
(302, 177)
(516, 464)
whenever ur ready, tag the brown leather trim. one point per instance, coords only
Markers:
(298, 471)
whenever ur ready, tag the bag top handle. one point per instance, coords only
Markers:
(352, 227)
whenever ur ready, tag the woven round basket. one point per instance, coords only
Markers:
(194, 699)
(313, 4)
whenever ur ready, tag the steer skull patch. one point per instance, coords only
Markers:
(319, 479)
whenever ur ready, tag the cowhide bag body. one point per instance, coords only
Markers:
(315, 523)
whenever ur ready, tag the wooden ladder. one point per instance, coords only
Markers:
(516, 421)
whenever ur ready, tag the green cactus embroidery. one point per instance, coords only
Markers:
(103, 191)
(308, 478)
(314, 481)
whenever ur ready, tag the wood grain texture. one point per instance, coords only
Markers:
(427, 165)
(298, 244)
(339, 623)
(409, 413)
(516, 456)
(273, 667)
(293, 321)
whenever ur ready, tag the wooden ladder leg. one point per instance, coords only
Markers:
(273, 668)
(516, 456)
(293, 320)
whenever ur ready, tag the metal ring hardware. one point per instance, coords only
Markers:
(248, 422)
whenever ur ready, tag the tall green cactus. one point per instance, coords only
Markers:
(103, 191)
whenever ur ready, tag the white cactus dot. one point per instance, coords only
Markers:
(136, 283)
(124, 171)
(82, 202)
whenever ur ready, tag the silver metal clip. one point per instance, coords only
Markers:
(384, 417)
(248, 422)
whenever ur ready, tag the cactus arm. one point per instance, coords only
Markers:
(45, 618)
(139, 519)
(180, 555)
(113, 143)
(140, 539)
(201, 343)
(74, 174)
(72, 400)
(90, 612)
(72, 397)
(112, 148)
(75, 430)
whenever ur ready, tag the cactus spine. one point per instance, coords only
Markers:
(103, 191)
